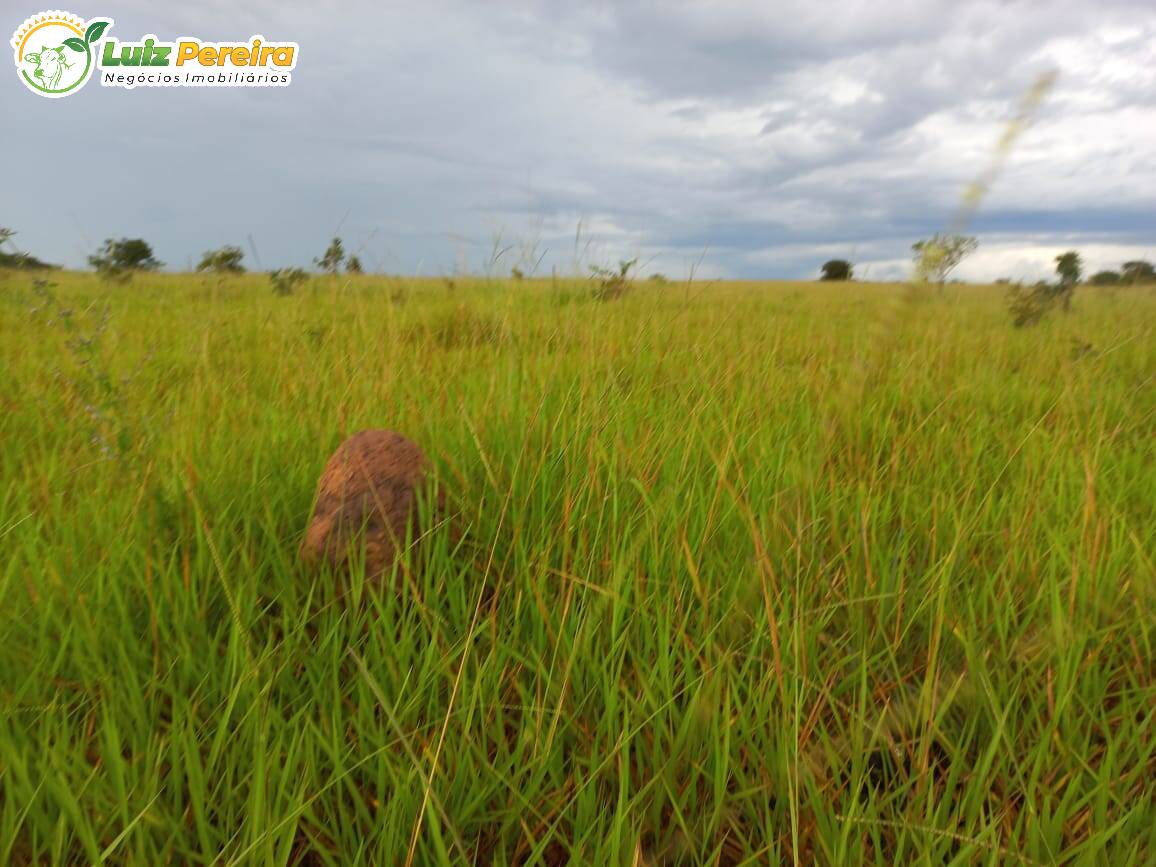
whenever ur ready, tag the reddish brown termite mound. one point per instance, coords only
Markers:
(367, 495)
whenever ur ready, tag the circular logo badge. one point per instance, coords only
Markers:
(56, 51)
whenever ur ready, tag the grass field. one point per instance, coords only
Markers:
(749, 573)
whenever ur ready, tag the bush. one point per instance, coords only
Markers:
(333, 257)
(24, 262)
(18, 260)
(837, 269)
(938, 256)
(1137, 272)
(286, 280)
(226, 260)
(1105, 278)
(614, 284)
(120, 259)
(1029, 306)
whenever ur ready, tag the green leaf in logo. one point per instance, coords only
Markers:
(75, 44)
(95, 31)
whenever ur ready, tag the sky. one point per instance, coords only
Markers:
(720, 139)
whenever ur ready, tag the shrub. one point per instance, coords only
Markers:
(1105, 278)
(1138, 271)
(25, 262)
(226, 260)
(938, 256)
(286, 280)
(112, 423)
(613, 284)
(120, 259)
(837, 269)
(332, 258)
(1026, 306)
(1029, 306)
(18, 260)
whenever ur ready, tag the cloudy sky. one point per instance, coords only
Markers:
(752, 139)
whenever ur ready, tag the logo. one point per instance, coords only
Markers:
(57, 53)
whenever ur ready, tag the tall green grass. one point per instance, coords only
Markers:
(744, 577)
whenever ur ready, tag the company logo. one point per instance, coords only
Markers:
(57, 53)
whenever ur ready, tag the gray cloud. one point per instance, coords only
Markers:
(768, 135)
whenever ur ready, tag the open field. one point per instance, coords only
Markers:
(749, 573)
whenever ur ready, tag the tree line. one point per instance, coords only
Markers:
(936, 257)
(120, 258)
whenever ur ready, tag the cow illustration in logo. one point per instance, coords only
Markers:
(55, 52)
(51, 64)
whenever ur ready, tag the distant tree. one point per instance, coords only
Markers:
(1138, 271)
(353, 265)
(1069, 268)
(226, 260)
(18, 259)
(517, 273)
(1104, 278)
(837, 269)
(938, 256)
(333, 257)
(120, 259)
(24, 262)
